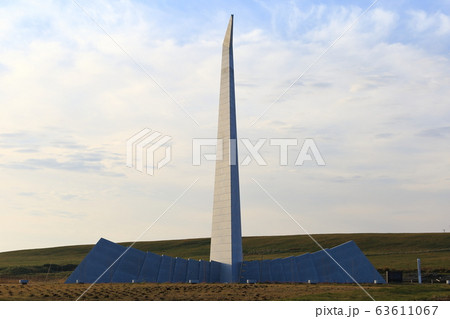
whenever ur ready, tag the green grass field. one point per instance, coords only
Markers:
(48, 268)
(276, 291)
(385, 251)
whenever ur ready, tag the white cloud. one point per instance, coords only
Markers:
(374, 104)
(438, 23)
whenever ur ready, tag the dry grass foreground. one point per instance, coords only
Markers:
(158, 292)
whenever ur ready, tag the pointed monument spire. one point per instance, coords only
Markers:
(226, 237)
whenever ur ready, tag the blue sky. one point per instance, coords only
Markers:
(376, 104)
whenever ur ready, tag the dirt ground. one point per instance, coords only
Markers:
(157, 292)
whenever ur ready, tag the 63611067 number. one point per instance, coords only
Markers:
(406, 310)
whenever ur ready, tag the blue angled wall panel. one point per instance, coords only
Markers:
(345, 262)
(97, 261)
(129, 266)
(327, 269)
(276, 270)
(204, 270)
(166, 269)
(214, 275)
(325, 266)
(289, 269)
(180, 270)
(264, 271)
(193, 270)
(150, 268)
(352, 259)
(306, 270)
(250, 271)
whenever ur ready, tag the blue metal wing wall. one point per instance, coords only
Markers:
(110, 262)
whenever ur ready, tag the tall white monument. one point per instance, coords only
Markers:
(226, 237)
(110, 262)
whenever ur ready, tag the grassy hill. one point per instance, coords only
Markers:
(385, 251)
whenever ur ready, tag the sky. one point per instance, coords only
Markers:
(79, 78)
